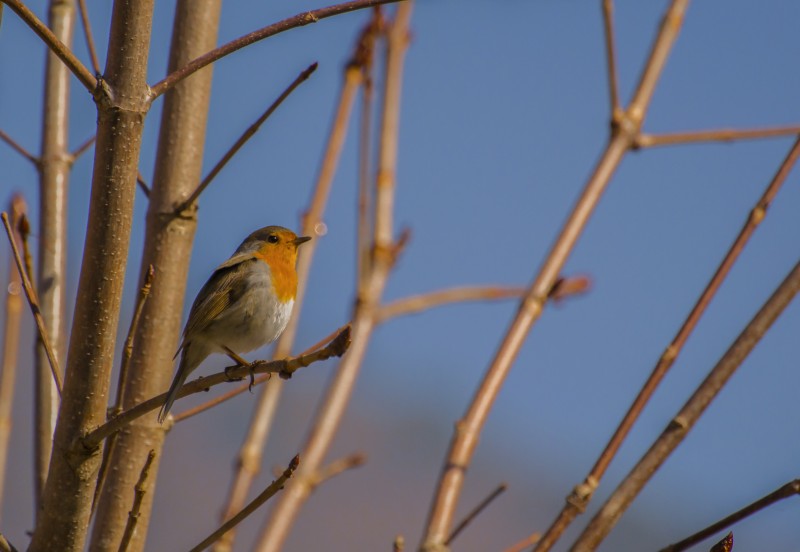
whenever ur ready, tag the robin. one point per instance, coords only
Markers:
(246, 303)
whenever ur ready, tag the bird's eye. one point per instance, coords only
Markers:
(272, 238)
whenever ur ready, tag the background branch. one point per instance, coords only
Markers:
(433, 299)
(720, 135)
(138, 497)
(18, 148)
(87, 32)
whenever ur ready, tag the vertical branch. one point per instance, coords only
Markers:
(10, 345)
(330, 413)
(87, 31)
(248, 462)
(684, 420)
(465, 437)
(167, 247)
(122, 102)
(54, 168)
(611, 58)
(138, 496)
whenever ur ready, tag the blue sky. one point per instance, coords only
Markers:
(505, 111)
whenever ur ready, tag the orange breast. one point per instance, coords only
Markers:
(282, 272)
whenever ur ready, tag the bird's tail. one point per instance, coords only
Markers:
(177, 383)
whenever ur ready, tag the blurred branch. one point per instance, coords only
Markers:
(87, 31)
(246, 135)
(19, 149)
(579, 498)
(34, 305)
(465, 438)
(368, 295)
(285, 368)
(525, 543)
(314, 480)
(248, 461)
(475, 512)
(142, 184)
(138, 497)
(790, 489)
(399, 544)
(298, 20)
(13, 316)
(84, 147)
(56, 46)
(720, 135)
(611, 59)
(426, 301)
(268, 493)
(5, 546)
(684, 420)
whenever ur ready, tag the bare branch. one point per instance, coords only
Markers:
(59, 48)
(88, 143)
(688, 415)
(582, 493)
(5, 546)
(475, 512)
(138, 497)
(19, 149)
(87, 31)
(355, 460)
(298, 20)
(268, 493)
(790, 489)
(611, 59)
(284, 368)
(525, 543)
(246, 135)
(34, 304)
(426, 301)
(142, 185)
(719, 135)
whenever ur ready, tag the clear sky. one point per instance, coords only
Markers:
(505, 110)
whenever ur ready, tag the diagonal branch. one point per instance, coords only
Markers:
(59, 48)
(138, 497)
(298, 20)
(87, 31)
(34, 304)
(790, 489)
(689, 414)
(717, 135)
(475, 512)
(246, 135)
(83, 148)
(425, 301)
(285, 368)
(16, 146)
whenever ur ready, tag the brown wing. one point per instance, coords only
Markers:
(217, 294)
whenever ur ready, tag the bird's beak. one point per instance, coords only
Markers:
(301, 239)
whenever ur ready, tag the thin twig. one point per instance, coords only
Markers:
(246, 387)
(127, 350)
(298, 20)
(18, 148)
(611, 59)
(468, 429)
(525, 543)
(475, 512)
(5, 546)
(59, 48)
(688, 415)
(352, 461)
(430, 300)
(284, 368)
(246, 135)
(34, 304)
(84, 147)
(87, 32)
(268, 493)
(138, 496)
(717, 135)
(10, 346)
(142, 184)
(790, 489)
(582, 493)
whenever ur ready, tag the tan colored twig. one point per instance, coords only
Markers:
(298, 20)
(284, 368)
(384, 251)
(246, 387)
(268, 493)
(475, 512)
(16, 146)
(684, 420)
(246, 135)
(525, 543)
(87, 32)
(426, 301)
(582, 493)
(352, 461)
(84, 147)
(248, 462)
(138, 496)
(611, 60)
(465, 438)
(788, 490)
(718, 135)
(5, 546)
(10, 346)
(56, 46)
(34, 305)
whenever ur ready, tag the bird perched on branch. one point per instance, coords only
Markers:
(245, 304)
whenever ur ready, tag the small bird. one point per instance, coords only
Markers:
(246, 303)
